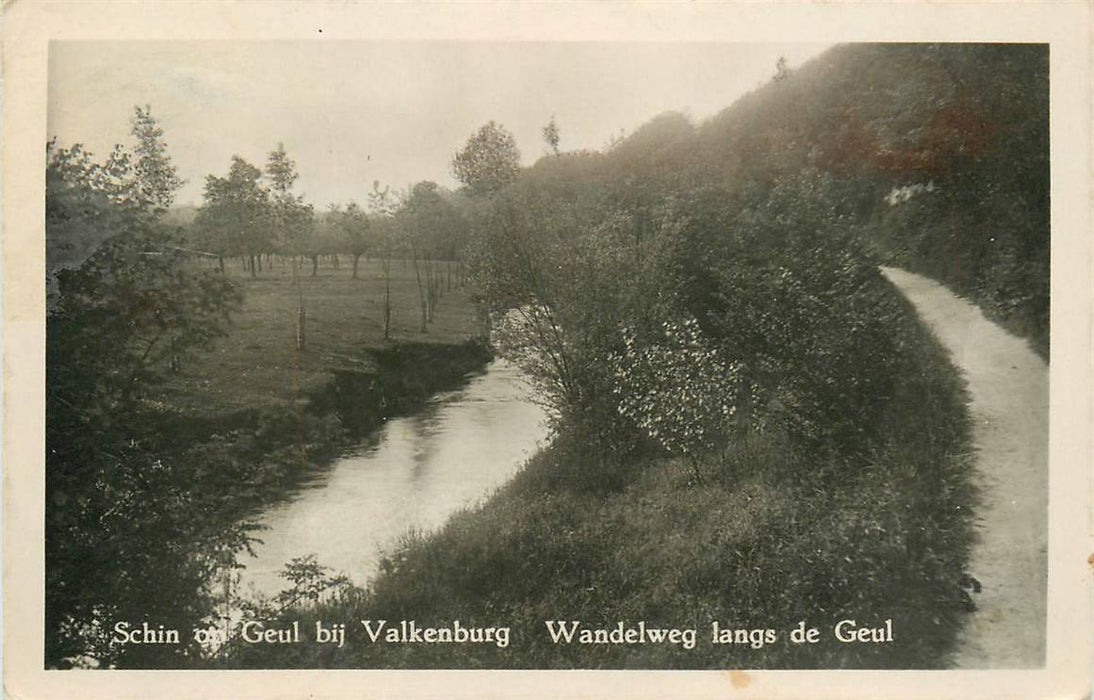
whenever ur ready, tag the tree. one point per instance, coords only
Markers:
(383, 206)
(234, 217)
(293, 220)
(557, 283)
(551, 135)
(489, 161)
(155, 176)
(281, 170)
(782, 69)
(428, 221)
(122, 539)
(86, 203)
(354, 225)
(292, 217)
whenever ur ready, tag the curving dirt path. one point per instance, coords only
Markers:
(1008, 389)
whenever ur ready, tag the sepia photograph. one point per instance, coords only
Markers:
(618, 354)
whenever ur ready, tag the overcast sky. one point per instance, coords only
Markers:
(353, 112)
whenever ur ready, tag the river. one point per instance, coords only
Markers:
(413, 475)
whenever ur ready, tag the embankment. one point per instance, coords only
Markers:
(257, 456)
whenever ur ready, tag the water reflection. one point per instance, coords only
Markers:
(420, 470)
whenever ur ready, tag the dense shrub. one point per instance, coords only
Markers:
(681, 392)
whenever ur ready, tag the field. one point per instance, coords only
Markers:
(258, 365)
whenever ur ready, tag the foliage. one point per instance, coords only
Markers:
(710, 292)
(489, 161)
(382, 201)
(234, 218)
(309, 582)
(782, 70)
(558, 290)
(433, 229)
(430, 222)
(985, 229)
(122, 539)
(776, 545)
(292, 218)
(355, 227)
(85, 204)
(154, 175)
(680, 391)
(551, 135)
(780, 285)
(971, 120)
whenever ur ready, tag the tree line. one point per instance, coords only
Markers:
(253, 215)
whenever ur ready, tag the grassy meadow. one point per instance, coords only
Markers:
(257, 364)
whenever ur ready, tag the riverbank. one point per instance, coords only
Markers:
(779, 537)
(408, 476)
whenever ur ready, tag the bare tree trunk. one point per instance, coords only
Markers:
(252, 260)
(387, 297)
(433, 290)
(301, 326)
(356, 258)
(314, 264)
(301, 313)
(421, 293)
(220, 261)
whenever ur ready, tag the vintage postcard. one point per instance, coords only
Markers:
(547, 350)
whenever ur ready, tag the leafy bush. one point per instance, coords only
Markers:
(680, 391)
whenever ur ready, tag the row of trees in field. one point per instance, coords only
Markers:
(253, 214)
